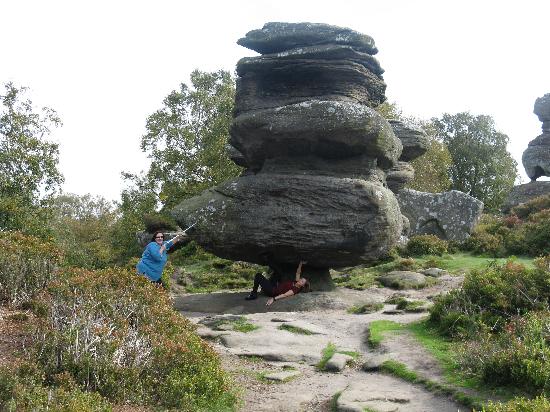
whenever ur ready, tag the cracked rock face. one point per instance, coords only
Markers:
(316, 156)
(536, 158)
(449, 215)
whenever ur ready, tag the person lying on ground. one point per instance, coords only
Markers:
(277, 290)
(154, 256)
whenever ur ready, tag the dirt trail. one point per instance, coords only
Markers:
(270, 349)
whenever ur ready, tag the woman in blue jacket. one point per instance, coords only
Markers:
(154, 256)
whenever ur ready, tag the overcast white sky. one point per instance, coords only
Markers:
(106, 65)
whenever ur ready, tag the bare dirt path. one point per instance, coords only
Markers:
(253, 355)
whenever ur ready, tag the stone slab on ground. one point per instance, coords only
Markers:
(282, 376)
(276, 345)
(338, 362)
(403, 279)
(383, 393)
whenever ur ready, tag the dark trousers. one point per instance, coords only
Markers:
(267, 286)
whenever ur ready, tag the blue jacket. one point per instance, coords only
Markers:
(152, 262)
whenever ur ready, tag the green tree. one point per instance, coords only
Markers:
(82, 227)
(431, 170)
(481, 165)
(186, 138)
(28, 161)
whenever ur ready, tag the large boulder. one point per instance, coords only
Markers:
(276, 37)
(449, 215)
(536, 158)
(277, 83)
(321, 52)
(523, 193)
(327, 221)
(326, 129)
(413, 139)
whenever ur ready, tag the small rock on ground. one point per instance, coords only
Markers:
(282, 376)
(403, 279)
(338, 362)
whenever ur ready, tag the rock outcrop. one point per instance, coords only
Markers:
(316, 155)
(449, 215)
(535, 159)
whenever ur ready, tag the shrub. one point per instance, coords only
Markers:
(426, 245)
(520, 404)
(491, 296)
(485, 243)
(519, 356)
(26, 265)
(532, 206)
(537, 233)
(24, 390)
(116, 333)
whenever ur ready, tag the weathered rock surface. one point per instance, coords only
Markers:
(542, 108)
(434, 272)
(320, 52)
(295, 81)
(389, 396)
(413, 138)
(403, 279)
(449, 215)
(326, 129)
(338, 362)
(330, 222)
(282, 376)
(536, 158)
(399, 175)
(523, 193)
(276, 37)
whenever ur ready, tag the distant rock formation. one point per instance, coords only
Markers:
(316, 156)
(449, 215)
(535, 159)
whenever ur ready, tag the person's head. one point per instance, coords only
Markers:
(303, 284)
(158, 237)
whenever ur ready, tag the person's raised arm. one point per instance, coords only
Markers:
(299, 270)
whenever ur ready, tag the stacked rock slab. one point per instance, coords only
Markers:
(315, 153)
(535, 159)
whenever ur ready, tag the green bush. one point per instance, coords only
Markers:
(27, 264)
(25, 390)
(481, 242)
(519, 356)
(532, 206)
(491, 296)
(520, 404)
(537, 233)
(116, 333)
(426, 245)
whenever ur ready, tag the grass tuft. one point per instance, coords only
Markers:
(295, 329)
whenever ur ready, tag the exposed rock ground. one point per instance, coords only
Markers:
(271, 350)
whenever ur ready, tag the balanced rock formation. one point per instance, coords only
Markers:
(316, 156)
(535, 159)
(449, 215)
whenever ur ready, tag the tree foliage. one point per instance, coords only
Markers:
(82, 227)
(431, 170)
(481, 165)
(28, 161)
(186, 138)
